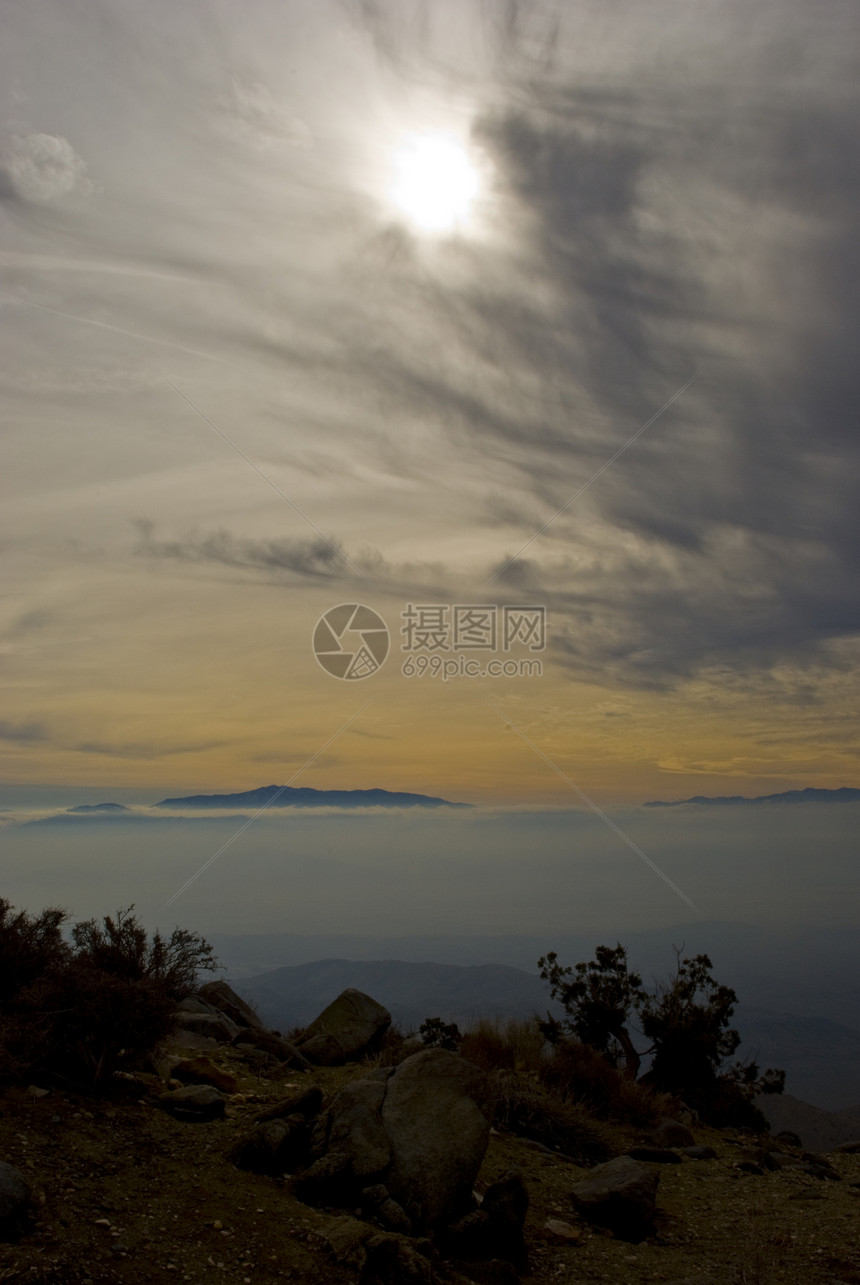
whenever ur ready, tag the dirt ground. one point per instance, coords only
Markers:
(125, 1194)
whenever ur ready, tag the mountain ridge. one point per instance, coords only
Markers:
(286, 796)
(845, 794)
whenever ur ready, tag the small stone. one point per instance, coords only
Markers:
(671, 1133)
(558, 1229)
(699, 1152)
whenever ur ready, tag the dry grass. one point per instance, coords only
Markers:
(581, 1074)
(530, 1111)
(513, 1045)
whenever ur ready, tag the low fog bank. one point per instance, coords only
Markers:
(482, 873)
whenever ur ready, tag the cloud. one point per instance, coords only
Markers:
(310, 561)
(315, 559)
(23, 733)
(263, 122)
(41, 168)
(649, 227)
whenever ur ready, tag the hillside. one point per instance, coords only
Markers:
(819, 1130)
(127, 1195)
(291, 996)
(820, 1056)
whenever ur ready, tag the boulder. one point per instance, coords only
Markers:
(506, 1204)
(280, 1139)
(381, 1258)
(267, 1042)
(376, 1203)
(351, 1025)
(225, 999)
(14, 1203)
(307, 1103)
(561, 1232)
(620, 1194)
(274, 1147)
(329, 1182)
(495, 1231)
(699, 1152)
(437, 1114)
(197, 1103)
(420, 1129)
(215, 1026)
(655, 1155)
(195, 1004)
(199, 1070)
(671, 1133)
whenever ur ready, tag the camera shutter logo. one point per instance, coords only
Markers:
(351, 641)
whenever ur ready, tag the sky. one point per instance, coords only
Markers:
(515, 316)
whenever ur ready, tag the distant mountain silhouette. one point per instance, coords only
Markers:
(98, 807)
(818, 1130)
(285, 796)
(810, 795)
(293, 996)
(819, 1056)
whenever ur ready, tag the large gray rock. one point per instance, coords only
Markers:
(225, 999)
(437, 1113)
(620, 1194)
(354, 1127)
(215, 1026)
(14, 1202)
(421, 1130)
(273, 1045)
(352, 1024)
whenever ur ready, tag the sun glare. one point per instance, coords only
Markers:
(436, 184)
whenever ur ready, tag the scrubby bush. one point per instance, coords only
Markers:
(436, 1034)
(598, 998)
(686, 1019)
(579, 1073)
(76, 1012)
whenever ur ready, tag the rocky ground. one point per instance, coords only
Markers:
(126, 1193)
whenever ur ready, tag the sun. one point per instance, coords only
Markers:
(436, 183)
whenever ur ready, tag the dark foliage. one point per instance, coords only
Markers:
(686, 1020)
(437, 1034)
(598, 998)
(76, 1013)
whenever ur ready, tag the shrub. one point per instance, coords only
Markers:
(31, 946)
(598, 998)
(75, 1013)
(437, 1034)
(581, 1074)
(686, 1020)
